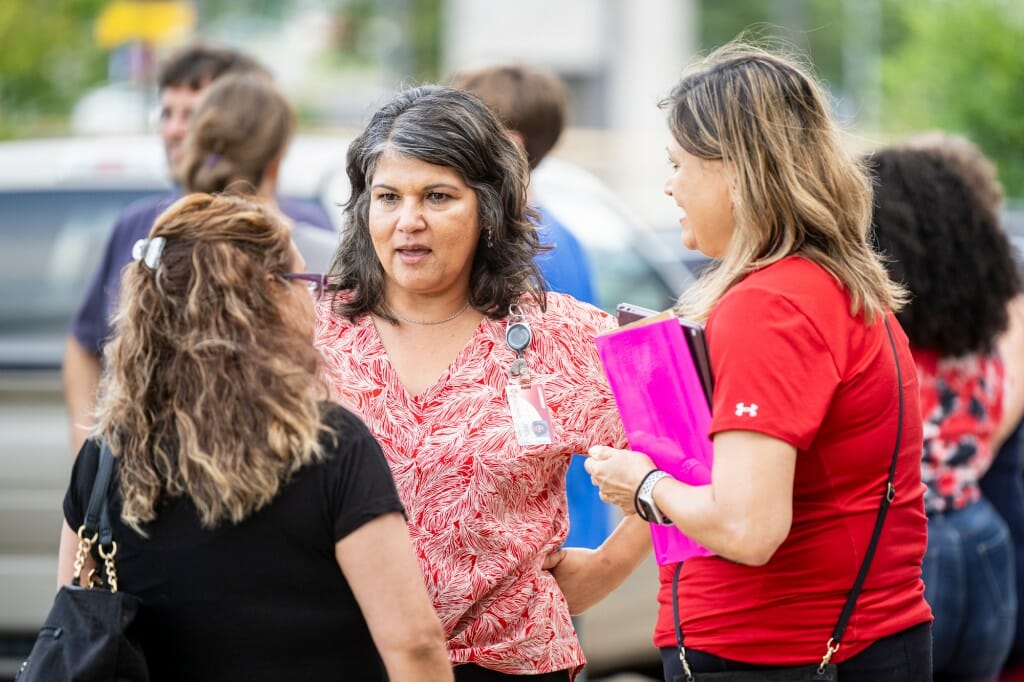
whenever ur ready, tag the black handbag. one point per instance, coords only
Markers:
(825, 671)
(87, 634)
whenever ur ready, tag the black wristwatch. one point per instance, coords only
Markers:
(643, 499)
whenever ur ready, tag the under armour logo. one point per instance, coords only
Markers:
(749, 410)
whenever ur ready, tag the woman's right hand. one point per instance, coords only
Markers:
(618, 473)
(552, 560)
(586, 576)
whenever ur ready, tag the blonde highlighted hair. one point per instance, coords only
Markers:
(794, 189)
(209, 392)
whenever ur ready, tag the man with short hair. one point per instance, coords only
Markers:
(181, 82)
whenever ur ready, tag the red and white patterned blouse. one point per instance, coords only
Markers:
(484, 511)
(961, 405)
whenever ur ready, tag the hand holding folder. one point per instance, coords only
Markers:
(691, 470)
(664, 403)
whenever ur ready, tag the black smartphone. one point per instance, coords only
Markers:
(627, 312)
(696, 341)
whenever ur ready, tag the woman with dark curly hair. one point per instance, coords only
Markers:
(942, 239)
(478, 384)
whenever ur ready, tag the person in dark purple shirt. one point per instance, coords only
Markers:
(91, 326)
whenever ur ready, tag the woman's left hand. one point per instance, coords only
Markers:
(618, 474)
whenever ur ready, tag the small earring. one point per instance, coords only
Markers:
(490, 237)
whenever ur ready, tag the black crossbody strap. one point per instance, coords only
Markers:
(887, 498)
(675, 604)
(862, 574)
(679, 627)
(97, 514)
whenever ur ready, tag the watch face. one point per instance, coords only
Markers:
(652, 513)
(645, 501)
(647, 511)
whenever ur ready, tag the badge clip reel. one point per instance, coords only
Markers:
(518, 337)
(530, 415)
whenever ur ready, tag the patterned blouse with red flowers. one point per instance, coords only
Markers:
(483, 510)
(961, 405)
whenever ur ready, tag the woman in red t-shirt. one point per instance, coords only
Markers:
(805, 414)
(941, 236)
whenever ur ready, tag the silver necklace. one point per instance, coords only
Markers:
(429, 323)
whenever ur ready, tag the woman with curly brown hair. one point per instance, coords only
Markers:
(259, 527)
(939, 230)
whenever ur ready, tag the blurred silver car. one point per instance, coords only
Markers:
(58, 201)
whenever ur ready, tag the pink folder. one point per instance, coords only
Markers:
(663, 407)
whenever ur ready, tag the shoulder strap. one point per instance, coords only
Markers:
(675, 603)
(887, 498)
(858, 583)
(97, 514)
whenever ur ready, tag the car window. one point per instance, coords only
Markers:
(52, 243)
(619, 250)
(621, 275)
(618, 267)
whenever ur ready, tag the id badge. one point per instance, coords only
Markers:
(530, 415)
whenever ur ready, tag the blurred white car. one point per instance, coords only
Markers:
(58, 201)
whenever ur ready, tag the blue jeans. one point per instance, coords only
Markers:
(1003, 486)
(902, 657)
(969, 580)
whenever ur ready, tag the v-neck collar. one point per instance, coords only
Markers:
(483, 333)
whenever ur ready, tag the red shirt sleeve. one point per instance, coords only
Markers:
(774, 373)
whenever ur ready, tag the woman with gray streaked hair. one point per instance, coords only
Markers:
(478, 384)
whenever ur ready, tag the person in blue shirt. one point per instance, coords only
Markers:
(532, 104)
(182, 80)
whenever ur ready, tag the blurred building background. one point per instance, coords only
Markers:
(893, 66)
(86, 68)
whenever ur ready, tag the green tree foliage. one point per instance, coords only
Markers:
(267, 10)
(48, 59)
(813, 27)
(426, 30)
(416, 52)
(959, 66)
(955, 65)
